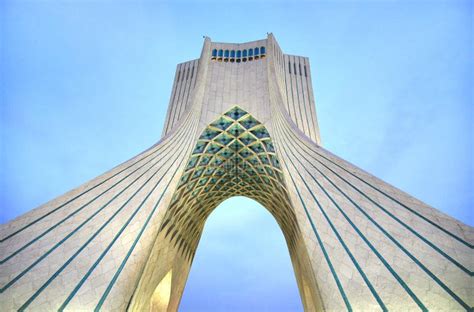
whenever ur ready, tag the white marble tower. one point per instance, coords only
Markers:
(241, 121)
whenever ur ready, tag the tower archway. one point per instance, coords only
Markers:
(242, 263)
(234, 156)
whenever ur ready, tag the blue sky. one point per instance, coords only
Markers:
(85, 86)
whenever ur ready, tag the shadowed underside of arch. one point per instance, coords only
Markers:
(233, 156)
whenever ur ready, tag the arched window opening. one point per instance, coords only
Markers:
(232, 53)
(239, 53)
(162, 293)
(257, 52)
(244, 55)
(220, 54)
(262, 50)
(214, 54)
(226, 55)
(250, 54)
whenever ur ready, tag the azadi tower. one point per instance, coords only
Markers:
(241, 121)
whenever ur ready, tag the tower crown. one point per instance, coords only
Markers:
(241, 74)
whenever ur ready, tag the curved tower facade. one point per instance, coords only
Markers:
(241, 121)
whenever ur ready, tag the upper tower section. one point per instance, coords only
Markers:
(253, 75)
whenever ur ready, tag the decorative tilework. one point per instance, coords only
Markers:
(236, 157)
